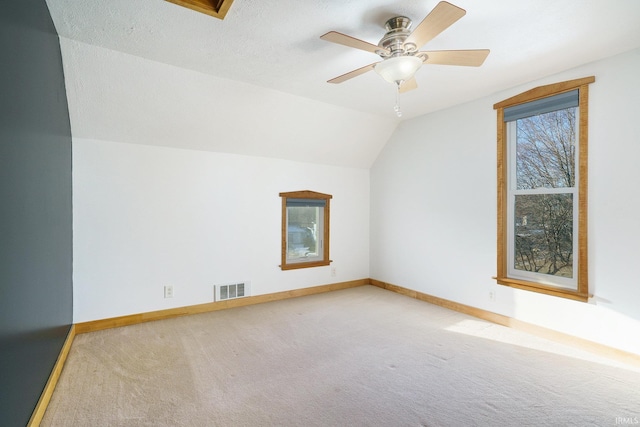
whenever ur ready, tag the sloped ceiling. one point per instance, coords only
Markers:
(152, 72)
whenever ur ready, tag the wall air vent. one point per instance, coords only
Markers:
(232, 291)
(216, 8)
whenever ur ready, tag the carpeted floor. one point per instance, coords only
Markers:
(358, 357)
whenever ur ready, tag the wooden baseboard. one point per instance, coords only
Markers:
(550, 334)
(45, 397)
(115, 322)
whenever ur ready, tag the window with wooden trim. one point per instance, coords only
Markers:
(305, 229)
(542, 190)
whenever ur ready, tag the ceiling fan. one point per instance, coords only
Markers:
(399, 48)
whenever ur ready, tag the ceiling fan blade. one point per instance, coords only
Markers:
(345, 40)
(409, 85)
(468, 58)
(352, 74)
(439, 19)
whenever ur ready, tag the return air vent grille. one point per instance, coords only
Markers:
(232, 291)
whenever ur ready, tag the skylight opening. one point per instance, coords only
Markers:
(215, 8)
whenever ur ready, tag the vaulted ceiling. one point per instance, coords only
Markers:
(153, 72)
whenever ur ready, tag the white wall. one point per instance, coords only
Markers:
(145, 217)
(433, 210)
(114, 96)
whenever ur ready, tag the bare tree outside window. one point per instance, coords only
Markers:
(545, 151)
(545, 159)
(544, 241)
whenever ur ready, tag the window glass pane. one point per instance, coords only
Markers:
(545, 150)
(303, 229)
(543, 234)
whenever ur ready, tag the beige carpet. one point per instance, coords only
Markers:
(358, 357)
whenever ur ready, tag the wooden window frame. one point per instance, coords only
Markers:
(305, 194)
(582, 291)
(216, 8)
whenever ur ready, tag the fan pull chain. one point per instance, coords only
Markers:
(396, 108)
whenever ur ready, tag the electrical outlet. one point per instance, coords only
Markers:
(333, 272)
(492, 296)
(168, 291)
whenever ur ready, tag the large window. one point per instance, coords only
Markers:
(305, 229)
(542, 190)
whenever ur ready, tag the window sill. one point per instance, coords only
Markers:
(297, 265)
(542, 289)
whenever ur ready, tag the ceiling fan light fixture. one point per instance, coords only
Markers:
(398, 69)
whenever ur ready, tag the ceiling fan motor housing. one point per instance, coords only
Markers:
(393, 41)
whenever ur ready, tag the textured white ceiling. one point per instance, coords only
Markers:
(274, 47)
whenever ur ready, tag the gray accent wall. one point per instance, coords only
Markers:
(35, 207)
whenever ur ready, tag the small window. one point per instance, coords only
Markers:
(305, 229)
(542, 190)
